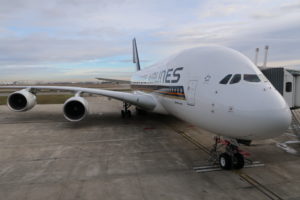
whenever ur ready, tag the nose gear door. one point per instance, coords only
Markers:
(191, 92)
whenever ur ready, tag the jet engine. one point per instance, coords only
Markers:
(75, 109)
(21, 101)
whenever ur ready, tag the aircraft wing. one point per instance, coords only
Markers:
(143, 100)
(114, 80)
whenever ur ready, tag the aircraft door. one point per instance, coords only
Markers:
(191, 92)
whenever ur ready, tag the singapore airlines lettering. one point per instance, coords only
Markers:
(171, 75)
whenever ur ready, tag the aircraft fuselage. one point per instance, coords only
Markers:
(188, 85)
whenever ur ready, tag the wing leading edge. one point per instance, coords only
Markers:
(142, 100)
(113, 80)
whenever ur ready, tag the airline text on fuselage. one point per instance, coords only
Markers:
(171, 75)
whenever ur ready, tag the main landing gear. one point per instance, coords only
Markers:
(232, 158)
(140, 111)
(126, 113)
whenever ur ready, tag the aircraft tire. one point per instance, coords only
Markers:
(238, 161)
(140, 111)
(225, 161)
(123, 113)
(128, 113)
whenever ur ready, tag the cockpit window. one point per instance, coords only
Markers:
(251, 78)
(225, 79)
(236, 78)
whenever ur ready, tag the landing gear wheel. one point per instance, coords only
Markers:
(238, 161)
(140, 111)
(225, 161)
(231, 158)
(128, 113)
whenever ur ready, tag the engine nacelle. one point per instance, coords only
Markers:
(21, 101)
(75, 109)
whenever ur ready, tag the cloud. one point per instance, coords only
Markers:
(236, 24)
(290, 6)
(63, 36)
(47, 49)
(285, 63)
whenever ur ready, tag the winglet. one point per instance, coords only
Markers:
(136, 55)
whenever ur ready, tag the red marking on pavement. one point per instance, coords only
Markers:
(244, 153)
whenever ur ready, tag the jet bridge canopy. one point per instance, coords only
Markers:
(287, 82)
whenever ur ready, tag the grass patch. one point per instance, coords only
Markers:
(44, 99)
(52, 99)
(3, 100)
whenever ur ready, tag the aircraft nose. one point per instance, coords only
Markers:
(270, 115)
(271, 123)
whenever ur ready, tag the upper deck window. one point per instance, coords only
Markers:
(225, 79)
(251, 78)
(235, 79)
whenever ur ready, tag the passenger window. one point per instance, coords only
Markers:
(288, 86)
(251, 78)
(236, 78)
(226, 79)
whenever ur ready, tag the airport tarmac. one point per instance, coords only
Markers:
(147, 157)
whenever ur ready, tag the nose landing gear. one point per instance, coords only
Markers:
(232, 158)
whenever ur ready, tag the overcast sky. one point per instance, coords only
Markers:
(83, 39)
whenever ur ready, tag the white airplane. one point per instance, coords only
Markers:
(215, 88)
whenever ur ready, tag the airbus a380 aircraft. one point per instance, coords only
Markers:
(215, 88)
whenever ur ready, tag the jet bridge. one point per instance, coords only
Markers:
(287, 82)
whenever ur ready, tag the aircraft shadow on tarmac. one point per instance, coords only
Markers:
(93, 119)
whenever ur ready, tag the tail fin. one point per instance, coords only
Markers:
(136, 55)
